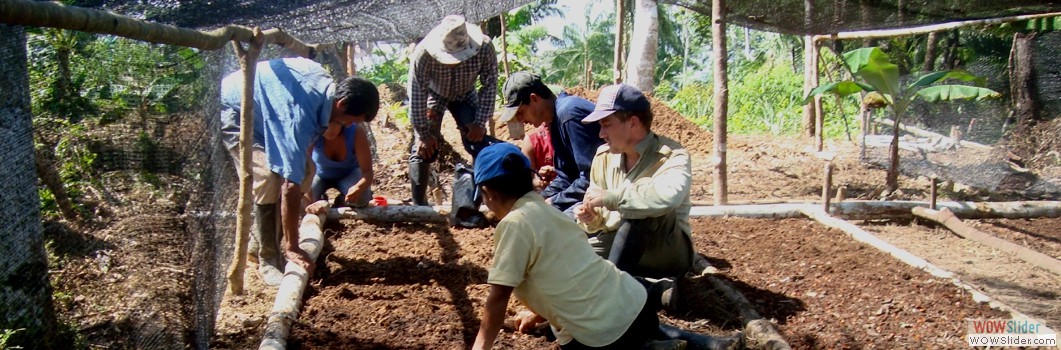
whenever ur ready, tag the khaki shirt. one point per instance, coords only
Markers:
(657, 184)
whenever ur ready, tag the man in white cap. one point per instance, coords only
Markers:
(443, 71)
(637, 206)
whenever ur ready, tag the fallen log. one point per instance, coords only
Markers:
(816, 213)
(289, 295)
(395, 213)
(758, 332)
(947, 219)
(925, 133)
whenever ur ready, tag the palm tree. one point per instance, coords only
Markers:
(583, 49)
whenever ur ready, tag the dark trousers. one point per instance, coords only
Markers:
(464, 114)
(652, 247)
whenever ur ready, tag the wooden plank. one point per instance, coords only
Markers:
(947, 219)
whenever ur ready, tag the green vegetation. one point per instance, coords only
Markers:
(877, 74)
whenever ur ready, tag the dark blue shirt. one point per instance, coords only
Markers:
(574, 145)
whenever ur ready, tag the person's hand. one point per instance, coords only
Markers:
(476, 133)
(594, 198)
(584, 214)
(318, 207)
(428, 147)
(547, 173)
(353, 196)
(526, 320)
(298, 256)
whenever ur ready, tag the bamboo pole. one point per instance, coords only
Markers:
(827, 183)
(289, 295)
(947, 219)
(248, 60)
(56, 15)
(887, 33)
(721, 91)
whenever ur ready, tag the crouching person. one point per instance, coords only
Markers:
(543, 257)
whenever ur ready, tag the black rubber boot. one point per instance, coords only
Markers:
(270, 262)
(418, 176)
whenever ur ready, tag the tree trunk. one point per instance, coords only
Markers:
(289, 293)
(721, 92)
(1022, 81)
(892, 180)
(950, 53)
(644, 42)
(50, 178)
(810, 67)
(620, 24)
(25, 294)
(930, 52)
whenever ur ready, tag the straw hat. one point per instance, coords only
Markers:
(453, 40)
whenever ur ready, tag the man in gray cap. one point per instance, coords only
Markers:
(443, 70)
(574, 143)
(637, 206)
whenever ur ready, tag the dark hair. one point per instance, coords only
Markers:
(517, 181)
(361, 96)
(541, 90)
(644, 116)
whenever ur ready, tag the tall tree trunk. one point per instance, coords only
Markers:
(950, 52)
(810, 71)
(1021, 79)
(620, 28)
(930, 52)
(644, 42)
(721, 92)
(25, 295)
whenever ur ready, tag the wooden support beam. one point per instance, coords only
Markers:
(946, 218)
(289, 295)
(617, 62)
(396, 213)
(887, 33)
(248, 61)
(56, 15)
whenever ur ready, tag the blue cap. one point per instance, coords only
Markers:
(488, 162)
(618, 97)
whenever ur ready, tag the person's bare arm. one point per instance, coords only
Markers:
(493, 316)
(364, 161)
(290, 205)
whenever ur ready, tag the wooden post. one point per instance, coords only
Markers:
(947, 219)
(248, 60)
(826, 185)
(932, 191)
(350, 64)
(721, 91)
(617, 65)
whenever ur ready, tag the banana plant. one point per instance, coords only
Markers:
(875, 73)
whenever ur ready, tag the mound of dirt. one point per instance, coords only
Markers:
(667, 122)
(1040, 147)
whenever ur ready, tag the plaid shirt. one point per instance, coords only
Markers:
(442, 84)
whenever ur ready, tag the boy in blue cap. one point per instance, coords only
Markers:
(544, 258)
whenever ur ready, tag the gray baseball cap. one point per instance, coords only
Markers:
(517, 91)
(618, 97)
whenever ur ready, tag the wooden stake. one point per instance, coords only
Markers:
(826, 185)
(932, 191)
(947, 219)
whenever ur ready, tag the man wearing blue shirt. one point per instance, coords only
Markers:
(528, 100)
(295, 102)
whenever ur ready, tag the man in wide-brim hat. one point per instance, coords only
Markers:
(443, 71)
